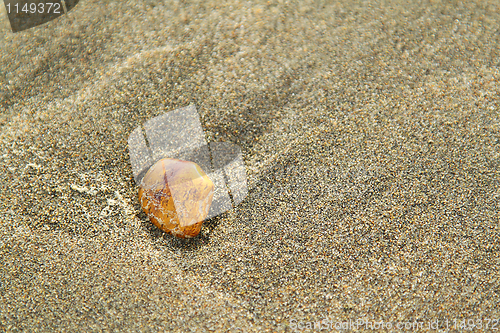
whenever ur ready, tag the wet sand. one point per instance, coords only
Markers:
(370, 133)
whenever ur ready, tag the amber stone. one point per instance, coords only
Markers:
(176, 195)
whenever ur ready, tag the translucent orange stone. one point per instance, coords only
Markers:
(176, 195)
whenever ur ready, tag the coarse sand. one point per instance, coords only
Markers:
(370, 134)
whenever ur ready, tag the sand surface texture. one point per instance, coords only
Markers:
(370, 133)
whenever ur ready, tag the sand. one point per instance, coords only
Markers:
(370, 134)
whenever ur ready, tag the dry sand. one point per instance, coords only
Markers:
(370, 132)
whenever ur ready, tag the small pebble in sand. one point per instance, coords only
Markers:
(176, 195)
